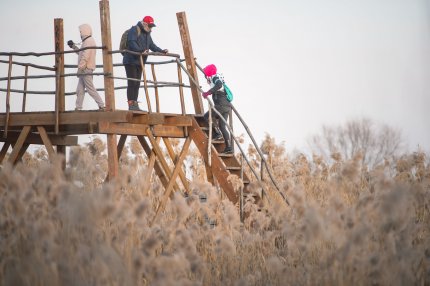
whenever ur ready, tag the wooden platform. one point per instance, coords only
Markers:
(97, 122)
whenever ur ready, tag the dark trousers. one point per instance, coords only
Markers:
(133, 71)
(216, 121)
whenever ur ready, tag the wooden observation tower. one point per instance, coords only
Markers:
(59, 128)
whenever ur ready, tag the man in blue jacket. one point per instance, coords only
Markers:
(138, 40)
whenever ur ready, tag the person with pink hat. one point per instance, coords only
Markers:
(219, 96)
(138, 40)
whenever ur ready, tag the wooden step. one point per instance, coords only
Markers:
(223, 155)
(234, 168)
(218, 141)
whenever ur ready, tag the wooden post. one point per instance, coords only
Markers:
(59, 70)
(20, 144)
(3, 151)
(24, 96)
(181, 95)
(145, 84)
(59, 60)
(9, 82)
(108, 84)
(154, 78)
(189, 58)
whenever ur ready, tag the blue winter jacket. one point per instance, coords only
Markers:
(138, 44)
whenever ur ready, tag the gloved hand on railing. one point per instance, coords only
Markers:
(70, 43)
(206, 94)
(165, 51)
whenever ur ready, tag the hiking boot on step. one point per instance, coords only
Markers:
(217, 136)
(228, 150)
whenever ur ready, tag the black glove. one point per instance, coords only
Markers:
(70, 43)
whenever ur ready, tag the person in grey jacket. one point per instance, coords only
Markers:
(86, 66)
(139, 40)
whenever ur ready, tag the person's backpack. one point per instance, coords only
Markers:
(228, 92)
(123, 43)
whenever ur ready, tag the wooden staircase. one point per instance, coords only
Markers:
(223, 165)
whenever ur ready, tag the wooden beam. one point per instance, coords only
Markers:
(160, 156)
(175, 159)
(121, 144)
(46, 142)
(138, 129)
(19, 144)
(35, 139)
(189, 58)
(107, 56)
(66, 118)
(149, 118)
(60, 101)
(218, 168)
(151, 165)
(108, 84)
(178, 120)
(176, 171)
(158, 169)
(162, 119)
(59, 61)
(3, 151)
(22, 152)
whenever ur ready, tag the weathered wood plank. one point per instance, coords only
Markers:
(148, 119)
(158, 169)
(160, 156)
(35, 139)
(217, 167)
(189, 57)
(66, 118)
(176, 170)
(139, 129)
(3, 151)
(19, 144)
(151, 165)
(179, 120)
(175, 159)
(46, 142)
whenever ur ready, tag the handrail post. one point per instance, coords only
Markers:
(181, 95)
(154, 77)
(145, 84)
(24, 96)
(9, 74)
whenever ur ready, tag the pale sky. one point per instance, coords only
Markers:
(293, 65)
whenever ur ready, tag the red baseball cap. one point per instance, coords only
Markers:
(149, 20)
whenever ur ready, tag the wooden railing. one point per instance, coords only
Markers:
(147, 83)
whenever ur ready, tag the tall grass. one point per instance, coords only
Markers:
(347, 225)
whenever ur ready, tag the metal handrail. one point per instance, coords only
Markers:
(237, 141)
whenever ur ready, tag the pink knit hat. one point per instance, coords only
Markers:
(209, 70)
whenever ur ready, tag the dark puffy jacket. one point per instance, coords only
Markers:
(219, 96)
(138, 44)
